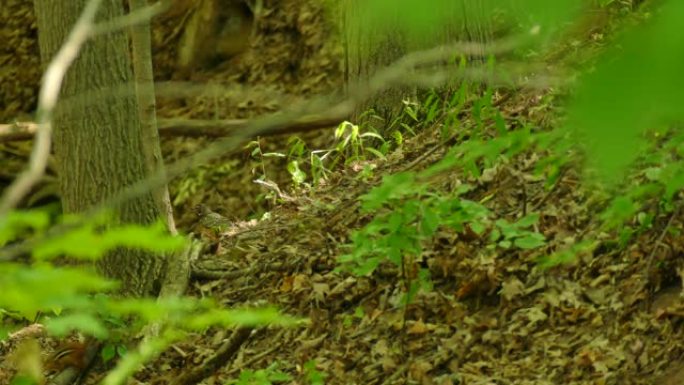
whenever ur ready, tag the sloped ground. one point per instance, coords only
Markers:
(293, 54)
(494, 317)
(612, 317)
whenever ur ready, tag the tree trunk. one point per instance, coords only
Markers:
(369, 48)
(99, 147)
(147, 108)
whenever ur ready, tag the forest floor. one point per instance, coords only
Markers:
(612, 315)
(494, 316)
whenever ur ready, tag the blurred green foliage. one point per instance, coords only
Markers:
(635, 87)
(69, 299)
(422, 23)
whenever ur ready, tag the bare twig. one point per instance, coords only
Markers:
(193, 128)
(47, 99)
(226, 352)
(651, 255)
(254, 359)
(553, 188)
(182, 89)
(17, 131)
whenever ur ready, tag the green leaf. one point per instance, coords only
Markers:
(528, 220)
(494, 235)
(298, 176)
(313, 375)
(273, 155)
(366, 266)
(620, 209)
(566, 256)
(83, 322)
(342, 128)
(243, 317)
(88, 242)
(16, 222)
(507, 229)
(121, 350)
(108, 352)
(149, 309)
(4, 332)
(372, 135)
(425, 280)
(392, 187)
(430, 223)
(530, 241)
(279, 377)
(22, 379)
(50, 287)
(478, 227)
(375, 152)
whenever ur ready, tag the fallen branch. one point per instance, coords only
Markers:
(223, 128)
(193, 128)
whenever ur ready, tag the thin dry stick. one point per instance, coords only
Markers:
(19, 131)
(222, 356)
(254, 359)
(651, 256)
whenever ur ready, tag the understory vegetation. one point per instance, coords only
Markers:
(486, 235)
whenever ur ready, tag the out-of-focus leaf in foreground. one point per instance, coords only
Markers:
(637, 85)
(424, 22)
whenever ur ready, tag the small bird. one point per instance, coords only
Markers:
(211, 225)
(210, 220)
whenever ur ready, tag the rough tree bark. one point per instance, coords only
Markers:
(369, 48)
(99, 148)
